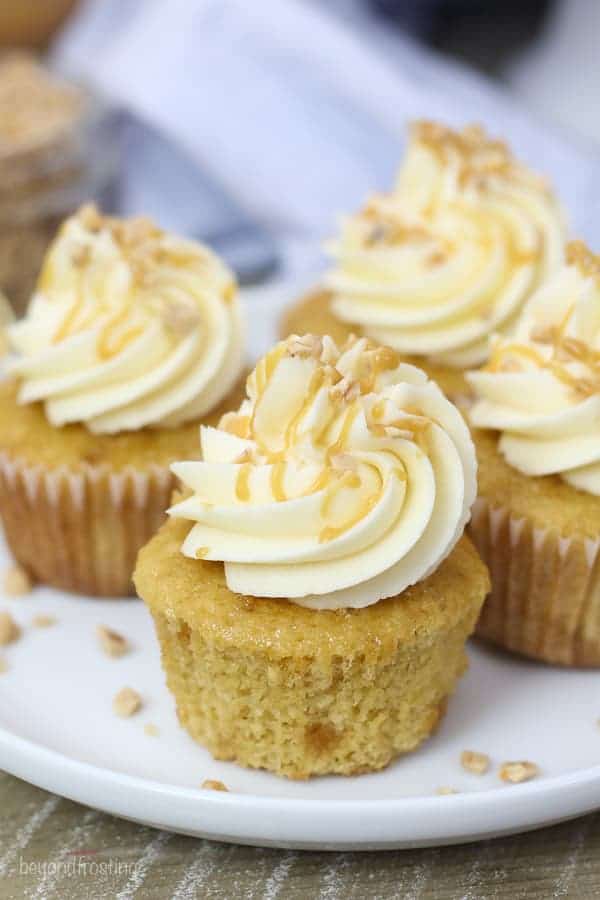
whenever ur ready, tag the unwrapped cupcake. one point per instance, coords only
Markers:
(448, 258)
(312, 591)
(132, 337)
(537, 519)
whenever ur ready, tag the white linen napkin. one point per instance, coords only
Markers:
(298, 109)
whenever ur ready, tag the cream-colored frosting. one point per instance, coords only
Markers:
(541, 389)
(129, 327)
(451, 256)
(345, 477)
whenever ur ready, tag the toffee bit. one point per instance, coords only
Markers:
(210, 784)
(476, 763)
(16, 582)
(517, 772)
(437, 258)
(347, 389)
(9, 630)
(43, 621)
(330, 353)
(344, 461)
(90, 218)
(112, 643)
(81, 255)
(181, 318)
(127, 703)
(543, 334)
(378, 234)
(306, 345)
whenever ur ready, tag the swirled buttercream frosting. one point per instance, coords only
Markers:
(129, 327)
(541, 389)
(451, 256)
(344, 477)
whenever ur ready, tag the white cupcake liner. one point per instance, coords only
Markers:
(81, 529)
(545, 597)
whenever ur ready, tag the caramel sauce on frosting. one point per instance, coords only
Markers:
(541, 389)
(344, 476)
(452, 254)
(129, 327)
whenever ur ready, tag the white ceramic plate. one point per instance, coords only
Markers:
(57, 730)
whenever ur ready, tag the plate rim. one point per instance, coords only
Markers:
(304, 823)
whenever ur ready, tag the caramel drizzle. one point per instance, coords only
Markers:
(330, 477)
(142, 245)
(108, 344)
(347, 480)
(277, 476)
(388, 228)
(69, 324)
(565, 349)
(236, 424)
(242, 484)
(588, 263)
(105, 349)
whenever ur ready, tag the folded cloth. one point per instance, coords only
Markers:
(299, 109)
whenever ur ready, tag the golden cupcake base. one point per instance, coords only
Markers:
(300, 692)
(312, 315)
(541, 541)
(77, 507)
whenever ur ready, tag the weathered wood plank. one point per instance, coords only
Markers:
(52, 849)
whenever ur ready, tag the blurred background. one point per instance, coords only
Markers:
(254, 126)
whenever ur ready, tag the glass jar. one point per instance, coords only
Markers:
(47, 170)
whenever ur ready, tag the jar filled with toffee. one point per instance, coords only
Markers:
(59, 148)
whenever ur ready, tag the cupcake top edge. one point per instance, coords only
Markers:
(129, 327)
(451, 255)
(344, 477)
(541, 387)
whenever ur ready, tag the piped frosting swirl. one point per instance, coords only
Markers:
(451, 256)
(541, 389)
(344, 477)
(129, 327)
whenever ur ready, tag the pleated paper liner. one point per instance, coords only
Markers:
(80, 530)
(545, 597)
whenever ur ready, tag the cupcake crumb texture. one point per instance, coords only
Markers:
(517, 772)
(127, 703)
(112, 643)
(211, 785)
(16, 582)
(9, 630)
(476, 763)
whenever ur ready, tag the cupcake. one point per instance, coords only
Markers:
(312, 590)
(537, 520)
(447, 259)
(132, 338)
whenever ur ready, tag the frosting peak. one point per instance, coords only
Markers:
(453, 253)
(344, 477)
(129, 327)
(541, 389)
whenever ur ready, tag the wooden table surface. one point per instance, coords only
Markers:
(53, 848)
